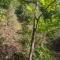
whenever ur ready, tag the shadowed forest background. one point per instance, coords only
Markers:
(29, 29)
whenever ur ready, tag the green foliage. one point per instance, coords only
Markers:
(26, 10)
(43, 53)
(48, 22)
(5, 3)
(2, 12)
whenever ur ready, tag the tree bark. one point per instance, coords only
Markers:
(36, 20)
(32, 41)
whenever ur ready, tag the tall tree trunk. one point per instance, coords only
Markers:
(36, 20)
(32, 41)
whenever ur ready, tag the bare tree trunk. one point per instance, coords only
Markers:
(32, 41)
(36, 20)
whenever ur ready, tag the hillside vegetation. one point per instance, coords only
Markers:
(29, 29)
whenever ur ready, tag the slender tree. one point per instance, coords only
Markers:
(35, 25)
